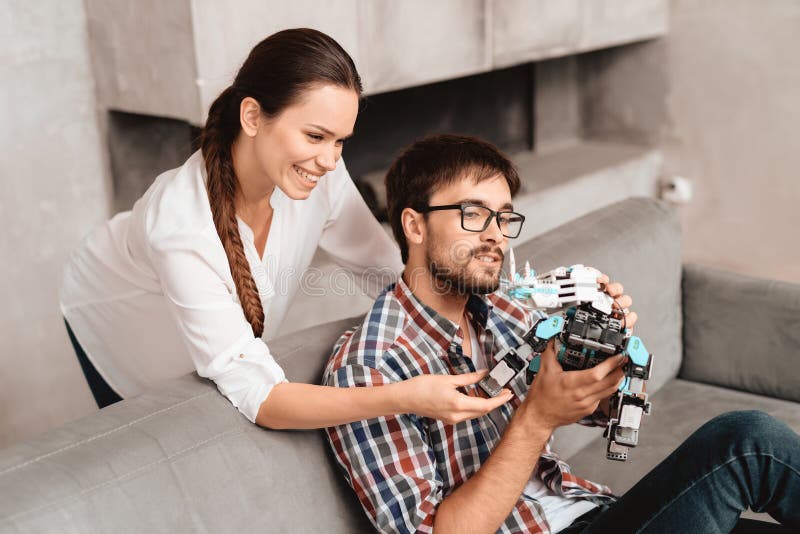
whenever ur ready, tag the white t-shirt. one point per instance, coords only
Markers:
(559, 511)
(150, 295)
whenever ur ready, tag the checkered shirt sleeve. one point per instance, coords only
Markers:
(387, 461)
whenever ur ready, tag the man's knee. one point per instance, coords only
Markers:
(753, 429)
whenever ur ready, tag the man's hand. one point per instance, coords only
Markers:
(616, 291)
(557, 397)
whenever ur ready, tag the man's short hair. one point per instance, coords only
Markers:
(437, 161)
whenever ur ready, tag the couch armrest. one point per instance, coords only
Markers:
(741, 332)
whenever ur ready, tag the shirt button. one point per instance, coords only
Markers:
(241, 355)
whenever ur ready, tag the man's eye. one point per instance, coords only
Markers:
(470, 214)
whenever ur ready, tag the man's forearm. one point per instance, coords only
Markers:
(484, 501)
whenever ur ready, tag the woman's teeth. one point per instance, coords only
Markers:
(303, 174)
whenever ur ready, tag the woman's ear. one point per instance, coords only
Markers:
(249, 115)
(413, 226)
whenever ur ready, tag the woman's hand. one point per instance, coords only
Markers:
(437, 397)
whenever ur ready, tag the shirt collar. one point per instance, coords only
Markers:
(439, 331)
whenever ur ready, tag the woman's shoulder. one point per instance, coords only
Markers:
(176, 203)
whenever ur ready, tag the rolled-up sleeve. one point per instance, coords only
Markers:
(218, 337)
(387, 461)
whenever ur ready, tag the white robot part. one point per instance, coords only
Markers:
(560, 288)
(631, 417)
(603, 302)
(636, 385)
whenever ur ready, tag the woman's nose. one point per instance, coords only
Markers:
(326, 160)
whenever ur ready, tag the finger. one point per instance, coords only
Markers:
(614, 289)
(548, 358)
(467, 378)
(607, 392)
(630, 320)
(610, 381)
(602, 279)
(602, 370)
(624, 301)
(480, 406)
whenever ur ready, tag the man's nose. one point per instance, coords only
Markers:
(492, 232)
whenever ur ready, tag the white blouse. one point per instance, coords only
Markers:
(150, 295)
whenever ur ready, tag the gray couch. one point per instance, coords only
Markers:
(180, 458)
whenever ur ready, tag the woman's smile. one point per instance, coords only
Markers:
(307, 178)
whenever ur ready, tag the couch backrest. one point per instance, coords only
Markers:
(180, 458)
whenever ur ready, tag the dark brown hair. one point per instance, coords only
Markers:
(276, 73)
(435, 162)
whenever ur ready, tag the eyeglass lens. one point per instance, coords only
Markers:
(478, 218)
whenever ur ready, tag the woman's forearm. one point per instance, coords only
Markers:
(303, 406)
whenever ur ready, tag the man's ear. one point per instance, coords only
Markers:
(249, 115)
(413, 226)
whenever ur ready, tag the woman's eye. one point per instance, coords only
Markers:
(315, 137)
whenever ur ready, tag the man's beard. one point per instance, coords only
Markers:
(452, 270)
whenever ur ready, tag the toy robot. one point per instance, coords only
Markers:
(587, 329)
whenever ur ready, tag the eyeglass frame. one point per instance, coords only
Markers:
(492, 215)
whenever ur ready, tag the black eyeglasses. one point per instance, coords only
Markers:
(476, 218)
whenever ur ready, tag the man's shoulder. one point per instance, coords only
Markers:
(368, 342)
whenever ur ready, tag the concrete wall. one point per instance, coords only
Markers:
(188, 51)
(720, 96)
(52, 191)
(735, 113)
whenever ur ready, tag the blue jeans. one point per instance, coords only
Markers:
(735, 461)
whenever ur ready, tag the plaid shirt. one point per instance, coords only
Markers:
(402, 466)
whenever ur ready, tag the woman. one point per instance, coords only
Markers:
(189, 274)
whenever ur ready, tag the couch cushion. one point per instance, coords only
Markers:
(179, 459)
(741, 332)
(679, 408)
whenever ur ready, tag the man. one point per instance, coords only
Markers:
(449, 202)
